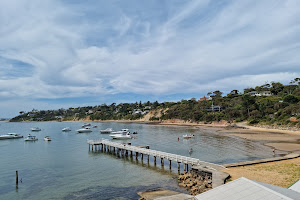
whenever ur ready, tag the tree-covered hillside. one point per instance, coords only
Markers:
(272, 103)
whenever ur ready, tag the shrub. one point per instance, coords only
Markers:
(254, 121)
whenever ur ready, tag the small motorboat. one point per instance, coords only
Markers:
(86, 125)
(31, 138)
(66, 129)
(122, 136)
(108, 130)
(35, 129)
(47, 138)
(188, 136)
(84, 130)
(122, 131)
(10, 136)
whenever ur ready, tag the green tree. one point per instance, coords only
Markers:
(217, 93)
(291, 99)
(276, 88)
(247, 90)
(247, 102)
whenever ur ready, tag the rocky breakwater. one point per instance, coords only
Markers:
(195, 183)
(202, 178)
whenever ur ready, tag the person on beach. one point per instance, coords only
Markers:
(274, 152)
(178, 139)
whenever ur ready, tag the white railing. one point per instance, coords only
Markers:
(150, 152)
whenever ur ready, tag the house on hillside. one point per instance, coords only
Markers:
(147, 108)
(137, 112)
(204, 98)
(260, 93)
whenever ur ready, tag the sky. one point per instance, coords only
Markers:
(69, 53)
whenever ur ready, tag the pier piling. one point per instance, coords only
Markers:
(17, 178)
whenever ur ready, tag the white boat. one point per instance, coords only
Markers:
(188, 136)
(121, 136)
(108, 130)
(31, 138)
(84, 130)
(35, 129)
(86, 125)
(122, 131)
(47, 138)
(66, 129)
(10, 136)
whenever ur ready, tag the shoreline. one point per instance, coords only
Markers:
(278, 139)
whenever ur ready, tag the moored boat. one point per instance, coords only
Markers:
(122, 131)
(35, 129)
(188, 136)
(10, 136)
(47, 138)
(31, 138)
(84, 130)
(86, 125)
(121, 136)
(66, 129)
(108, 130)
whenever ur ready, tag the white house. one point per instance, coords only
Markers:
(260, 93)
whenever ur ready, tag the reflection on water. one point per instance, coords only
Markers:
(64, 167)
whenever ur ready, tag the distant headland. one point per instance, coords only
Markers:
(271, 104)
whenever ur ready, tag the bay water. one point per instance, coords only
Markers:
(64, 168)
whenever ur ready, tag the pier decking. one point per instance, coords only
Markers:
(125, 149)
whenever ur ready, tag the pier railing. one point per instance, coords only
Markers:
(155, 153)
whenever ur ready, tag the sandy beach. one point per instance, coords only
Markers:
(283, 140)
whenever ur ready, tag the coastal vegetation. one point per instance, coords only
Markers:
(270, 104)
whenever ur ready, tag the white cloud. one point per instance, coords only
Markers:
(199, 47)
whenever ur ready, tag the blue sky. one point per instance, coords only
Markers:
(69, 53)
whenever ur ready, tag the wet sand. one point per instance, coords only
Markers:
(279, 139)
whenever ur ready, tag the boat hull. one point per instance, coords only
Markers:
(120, 137)
(10, 136)
(66, 129)
(7, 138)
(105, 132)
(84, 131)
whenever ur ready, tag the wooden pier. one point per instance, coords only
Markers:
(128, 150)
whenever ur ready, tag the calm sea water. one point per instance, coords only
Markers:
(65, 169)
